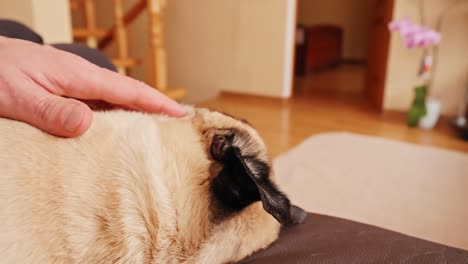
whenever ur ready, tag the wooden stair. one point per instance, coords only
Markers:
(125, 63)
(101, 38)
(82, 33)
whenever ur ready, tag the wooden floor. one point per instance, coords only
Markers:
(285, 123)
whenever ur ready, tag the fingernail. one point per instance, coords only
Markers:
(71, 117)
(180, 111)
(176, 109)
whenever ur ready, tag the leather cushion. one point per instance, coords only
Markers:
(14, 29)
(94, 56)
(325, 239)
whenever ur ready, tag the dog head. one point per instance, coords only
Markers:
(241, 171)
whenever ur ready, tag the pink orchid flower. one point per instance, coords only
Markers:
(415, 35)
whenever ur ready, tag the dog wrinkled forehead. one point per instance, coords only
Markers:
(246, 138)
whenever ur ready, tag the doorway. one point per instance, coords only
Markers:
(341, 49)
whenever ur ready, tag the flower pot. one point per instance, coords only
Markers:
(433, 109)
(418, 108)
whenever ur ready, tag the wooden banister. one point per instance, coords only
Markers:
(83, 33)
(121, 34)
(157, 55)
(99, 38)
(128, 18)
(75, 4)
(90, 18)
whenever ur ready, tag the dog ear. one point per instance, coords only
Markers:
(244, 179)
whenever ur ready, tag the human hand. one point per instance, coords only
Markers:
(38, 84)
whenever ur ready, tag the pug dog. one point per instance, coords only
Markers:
(139, 188)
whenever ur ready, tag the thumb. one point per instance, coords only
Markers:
(60, 116)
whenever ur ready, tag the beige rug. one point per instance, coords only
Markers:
(416, 190)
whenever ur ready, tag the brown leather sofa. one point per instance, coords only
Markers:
(330, 240)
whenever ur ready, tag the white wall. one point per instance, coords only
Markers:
(199, 42)
(214, 45)
(20, 10)
(51, 19)
(230, 45)
(257, 52)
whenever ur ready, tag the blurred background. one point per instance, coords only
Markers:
(247, 46)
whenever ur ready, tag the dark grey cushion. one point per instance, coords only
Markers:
(93, 55)
(14, 29)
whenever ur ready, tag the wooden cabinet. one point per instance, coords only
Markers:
(321, 48)
(324, 45)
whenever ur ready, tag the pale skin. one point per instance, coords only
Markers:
(48, 88)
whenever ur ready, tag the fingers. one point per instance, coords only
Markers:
(88, 81)
(60, 116)
(53, 114)
(32, 89)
